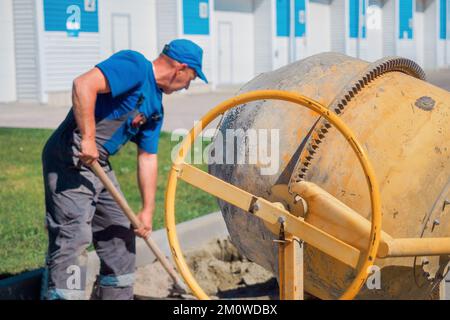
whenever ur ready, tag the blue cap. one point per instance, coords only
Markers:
(186, 51)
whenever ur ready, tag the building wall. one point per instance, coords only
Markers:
(282, 33)
(141, 16)
(441, 30)
(337, 26)
(353, 31)
(281, 54)
(430, 39)
(406, 37)
(106, 27)
(447, 42)
(290, 31)
(419, 27)
(7, 53)
(357, 44)
(197, 28)
(26, 51)
(389, 28)
(66, 58)
(167, 22)
(318, 35)
(374, 30)
(39, 57)
(300, 15)
(318, 32)
(69, 43)
(242, 40)
(263, 26)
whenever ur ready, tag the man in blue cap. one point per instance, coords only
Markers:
(119, 100)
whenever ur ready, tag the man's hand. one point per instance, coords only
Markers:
(89, 152)
(146, 219)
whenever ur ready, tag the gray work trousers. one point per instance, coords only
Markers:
(80, 211)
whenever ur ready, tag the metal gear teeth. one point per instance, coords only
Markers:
(378, 70)
(366, 79)
(373, 71)
(361, 84)
(311, 150)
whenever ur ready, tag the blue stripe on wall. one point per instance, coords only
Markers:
(353, 13)
(405, 16)
(357, 11)
(56, 16)
(300, 27)
(443, 19)
(284, 17)
(283, 26)
(363, 14)
(192, 22)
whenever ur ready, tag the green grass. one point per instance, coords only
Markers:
(23, 239)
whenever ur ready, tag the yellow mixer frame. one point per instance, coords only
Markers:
(293, 228)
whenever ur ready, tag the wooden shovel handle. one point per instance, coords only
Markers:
(135, 222)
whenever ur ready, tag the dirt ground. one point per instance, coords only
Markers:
(219, 269)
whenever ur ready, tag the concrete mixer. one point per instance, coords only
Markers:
(362, 185)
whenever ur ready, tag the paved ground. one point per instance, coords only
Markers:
(181, 109)
(440, 78)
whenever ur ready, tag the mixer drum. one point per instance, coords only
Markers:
(403, 123)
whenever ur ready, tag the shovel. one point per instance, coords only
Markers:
(178, 287)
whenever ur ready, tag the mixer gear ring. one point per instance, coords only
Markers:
(372, 72)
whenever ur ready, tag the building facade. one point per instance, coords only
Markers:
(50, 42)
(47, 43)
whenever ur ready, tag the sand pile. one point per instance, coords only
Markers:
(219, 269)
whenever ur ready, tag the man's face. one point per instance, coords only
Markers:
(182, 78)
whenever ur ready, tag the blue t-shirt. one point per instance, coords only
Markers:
(133, 109)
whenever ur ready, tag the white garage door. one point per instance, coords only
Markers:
(121, 30)
(430, 32)
(337, 24)
(225, 52)
(318, 38)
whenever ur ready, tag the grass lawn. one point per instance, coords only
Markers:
(23, 239)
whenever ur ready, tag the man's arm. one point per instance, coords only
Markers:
(147, 174)
(84, 94)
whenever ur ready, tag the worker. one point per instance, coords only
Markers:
(119, 100)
